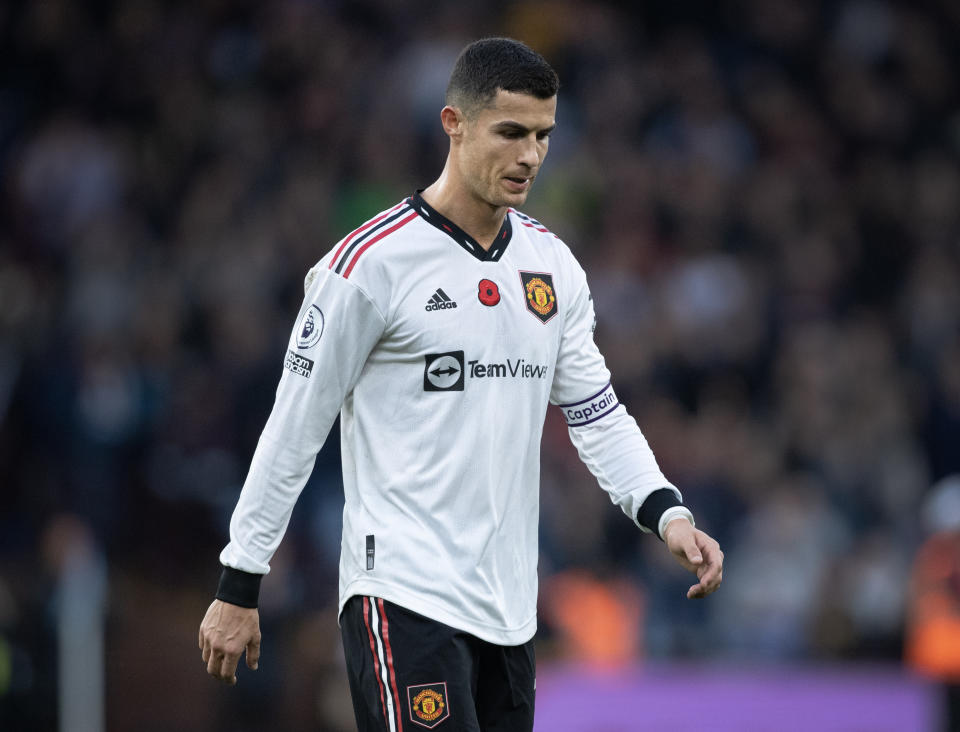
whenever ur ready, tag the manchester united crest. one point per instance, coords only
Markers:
(428, 704)
(539, 295)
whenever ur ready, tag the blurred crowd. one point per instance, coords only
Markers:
(764, 194)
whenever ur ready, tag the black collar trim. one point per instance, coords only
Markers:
(432, 216)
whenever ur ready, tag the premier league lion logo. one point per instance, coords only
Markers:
(311, 328)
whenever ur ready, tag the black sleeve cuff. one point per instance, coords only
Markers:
(653, 507)
(239, 588)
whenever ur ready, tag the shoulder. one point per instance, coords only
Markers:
(547, 244)
(370, 240)
(520, 219)
(360, 260)
(538, 235)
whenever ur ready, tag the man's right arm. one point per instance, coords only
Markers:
(336, 329)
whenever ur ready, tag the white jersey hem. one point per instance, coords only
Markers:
(491, 634)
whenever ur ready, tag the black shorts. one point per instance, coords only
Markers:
(408, 672)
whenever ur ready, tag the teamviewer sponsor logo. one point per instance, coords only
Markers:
(590, 409)
(443, 371)
(298, 364)
(440, 301)
(513, 369)
(446, 371)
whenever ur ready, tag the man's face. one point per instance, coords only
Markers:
(504, 145)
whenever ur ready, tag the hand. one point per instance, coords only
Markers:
(696, 552)
(226, 631)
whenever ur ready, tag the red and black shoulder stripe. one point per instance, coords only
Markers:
(357, 242)
(531, 223)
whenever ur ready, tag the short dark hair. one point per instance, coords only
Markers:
(490, 64)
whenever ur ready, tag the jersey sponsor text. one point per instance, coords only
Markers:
(513, 369)
(300, 365)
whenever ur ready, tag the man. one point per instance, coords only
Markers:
(440, 330)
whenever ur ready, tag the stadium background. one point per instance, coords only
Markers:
(764, 194)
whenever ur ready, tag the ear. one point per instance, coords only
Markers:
(453, 121)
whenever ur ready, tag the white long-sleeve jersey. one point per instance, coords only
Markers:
(441, 359)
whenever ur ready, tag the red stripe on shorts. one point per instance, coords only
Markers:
(376, 659)
(386, 643)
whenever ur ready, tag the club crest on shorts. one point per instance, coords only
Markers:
(428, 704)
(538, 294)
(311, 328)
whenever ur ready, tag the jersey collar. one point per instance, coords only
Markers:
(432, 216)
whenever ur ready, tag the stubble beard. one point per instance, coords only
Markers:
(497, 197)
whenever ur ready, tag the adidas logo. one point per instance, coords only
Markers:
(440, 301)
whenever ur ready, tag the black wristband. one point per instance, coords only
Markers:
(239, 588)
(653, 507)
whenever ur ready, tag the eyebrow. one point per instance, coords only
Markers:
(511, 126)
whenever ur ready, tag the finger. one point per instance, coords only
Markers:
(228, 669)
(706, 585)
(708, 572)
(709, 577)
(214, 660)
(712, 553)
(206, 650)
(714, 583)
(689, 556)
(712, 566)
(253, 653)
(692, 552)
(200, 634)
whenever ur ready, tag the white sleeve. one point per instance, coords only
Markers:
(617, 453)
(607, 439)
(336, 329)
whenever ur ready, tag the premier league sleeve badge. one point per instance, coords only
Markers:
(311, 328)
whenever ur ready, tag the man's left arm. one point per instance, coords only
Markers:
(614, 449)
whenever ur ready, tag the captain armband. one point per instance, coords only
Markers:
(591, 409)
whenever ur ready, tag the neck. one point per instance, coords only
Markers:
(455, 201)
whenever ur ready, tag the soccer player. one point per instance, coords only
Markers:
(440, 330)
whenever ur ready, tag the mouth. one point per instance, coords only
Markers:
(517, 184)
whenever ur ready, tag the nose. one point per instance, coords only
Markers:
(529, 154)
